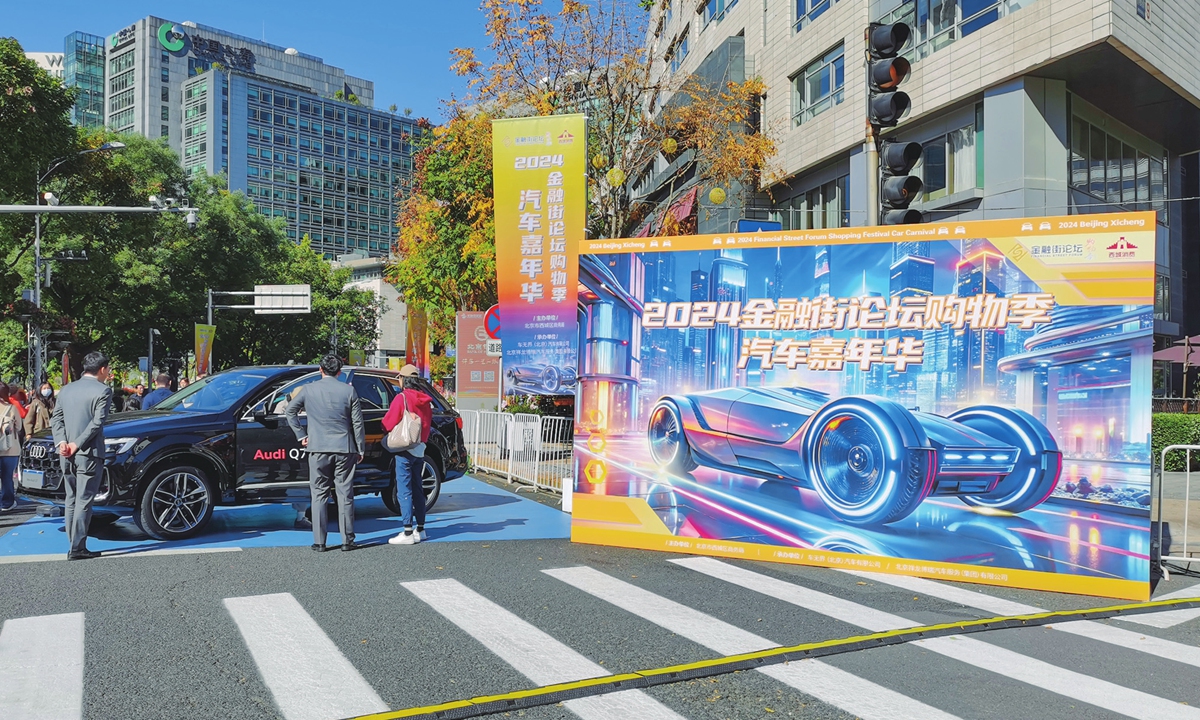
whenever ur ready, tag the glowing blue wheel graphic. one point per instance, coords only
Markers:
(668, 446)
(859, 464)
(1036, 472)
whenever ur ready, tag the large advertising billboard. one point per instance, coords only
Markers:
(964, 401)
(540, 184)
(476, 372)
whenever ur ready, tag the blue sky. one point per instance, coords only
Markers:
(402, 45)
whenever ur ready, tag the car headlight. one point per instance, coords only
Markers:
(117, 446)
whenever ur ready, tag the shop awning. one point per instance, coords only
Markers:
(684, 206)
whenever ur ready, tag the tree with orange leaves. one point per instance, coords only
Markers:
(593, 58)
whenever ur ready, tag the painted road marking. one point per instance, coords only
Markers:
(13, 559)
(306, 673)
(986, 656)
(1084, 628)
(1170, 618)
(839, 688)
(532, 652)
(41, 668)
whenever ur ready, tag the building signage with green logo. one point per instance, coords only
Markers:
(122, 37)
(175, 39)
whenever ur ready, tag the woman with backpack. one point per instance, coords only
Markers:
(12, 435)
(407, 423)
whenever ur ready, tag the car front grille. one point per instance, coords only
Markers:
(43, 456)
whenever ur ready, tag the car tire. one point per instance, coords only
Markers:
(176, 504)
(667, 439)
(432, 478)
(861, 462)
(1037, 470)
(389, 495)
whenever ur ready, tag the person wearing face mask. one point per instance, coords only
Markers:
(37, 417)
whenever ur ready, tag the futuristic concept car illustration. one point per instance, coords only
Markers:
(870, 460)
(545, 378)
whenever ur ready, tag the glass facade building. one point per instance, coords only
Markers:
(332, 170)
(83, 68)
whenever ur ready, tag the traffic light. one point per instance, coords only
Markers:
(885, 71)
(899, 189)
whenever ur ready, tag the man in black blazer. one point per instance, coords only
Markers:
(336, 442)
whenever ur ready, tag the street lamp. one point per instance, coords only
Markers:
(37, 241)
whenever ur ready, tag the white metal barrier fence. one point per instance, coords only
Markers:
(1175, 499)
(526, 448)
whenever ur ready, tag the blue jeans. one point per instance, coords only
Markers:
(408, 488)
(8, 467)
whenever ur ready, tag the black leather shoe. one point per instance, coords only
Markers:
(84, 554)
(318, 548)
(347, 547)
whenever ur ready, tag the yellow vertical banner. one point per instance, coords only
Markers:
(539, 178)
(205, 334)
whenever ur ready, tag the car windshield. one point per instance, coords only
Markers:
(217, 393)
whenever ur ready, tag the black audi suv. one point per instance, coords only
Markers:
(223, 440)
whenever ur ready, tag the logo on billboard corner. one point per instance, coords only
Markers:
(566, 138)
(1122, 248)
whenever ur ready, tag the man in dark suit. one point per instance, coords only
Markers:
(78, 426)
(336, 443)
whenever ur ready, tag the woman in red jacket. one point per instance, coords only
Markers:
(409, 463)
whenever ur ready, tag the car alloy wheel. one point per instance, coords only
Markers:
(177, 504)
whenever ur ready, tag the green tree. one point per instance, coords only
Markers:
(34, 130)
(446, 245)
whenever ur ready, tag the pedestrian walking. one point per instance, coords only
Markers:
(37, 415)
(78, 423)
(12, 435)
(161, 391)
(410, 461)
(336, 442)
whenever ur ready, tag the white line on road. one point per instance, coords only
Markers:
(1085, 628)
(532, 652)
(306, 673)
(839, 688)
(14, 559)
(41, 668)
(1169, 618)
(986, 656)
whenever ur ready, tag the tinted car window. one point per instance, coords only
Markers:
(439, 403)
(212, 394)
(276, 402)
(372, 391)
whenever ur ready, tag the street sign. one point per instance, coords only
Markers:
(493, 348)
(144, 364)
(282, 299)
(491, 322)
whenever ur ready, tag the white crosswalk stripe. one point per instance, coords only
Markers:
(836, 687)
(305, 672)
(1169, 618)
(986, 656)
(41, 668)
(532, 652)
(1084, 628)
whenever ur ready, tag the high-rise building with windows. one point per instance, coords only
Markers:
(324, 160)
(1089, 106)
(83, 69)
(329, 168)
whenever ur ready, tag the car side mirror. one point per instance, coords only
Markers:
(260, 415)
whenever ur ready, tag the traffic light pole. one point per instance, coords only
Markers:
(871, 148)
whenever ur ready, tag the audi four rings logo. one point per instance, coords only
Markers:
(37, 452)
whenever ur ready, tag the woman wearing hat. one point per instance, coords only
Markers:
(409, 492)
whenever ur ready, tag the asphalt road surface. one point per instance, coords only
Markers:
(288, 633)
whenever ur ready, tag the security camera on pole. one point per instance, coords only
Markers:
(894, 188)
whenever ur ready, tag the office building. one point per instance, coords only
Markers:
(48, 61)
(1042, 107)
(317, 141)
(330, 169)
(367, 273)
(83, 69)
